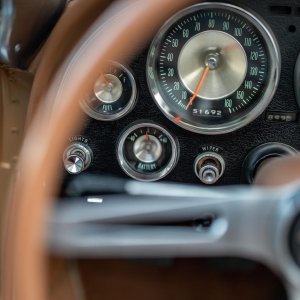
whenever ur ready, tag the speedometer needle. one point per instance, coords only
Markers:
(201, 81)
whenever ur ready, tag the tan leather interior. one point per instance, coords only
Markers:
(76, 19)
(70, 63)
(23, 41)
(14, 99)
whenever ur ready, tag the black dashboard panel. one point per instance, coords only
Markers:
(284, 19)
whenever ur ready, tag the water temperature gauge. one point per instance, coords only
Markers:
(114, 94)
(147, 151)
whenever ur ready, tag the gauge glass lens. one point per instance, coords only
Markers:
(147, 151)
(113, 96)
(213, 68)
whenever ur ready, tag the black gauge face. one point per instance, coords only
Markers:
(213, 68)
(147, 151)
(113, 96)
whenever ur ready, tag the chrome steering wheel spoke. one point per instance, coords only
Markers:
(166, 220)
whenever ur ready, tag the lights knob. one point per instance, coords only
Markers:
(77, 158)
(74, 164)
(209, 167)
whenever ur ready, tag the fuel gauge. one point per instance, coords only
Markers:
(147, 151)
(114, 94)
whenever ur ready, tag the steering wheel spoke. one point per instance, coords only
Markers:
(169, 220)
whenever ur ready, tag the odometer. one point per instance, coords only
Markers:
(213, 68)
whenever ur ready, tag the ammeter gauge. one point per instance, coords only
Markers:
(147, 152)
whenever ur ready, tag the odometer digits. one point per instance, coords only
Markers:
(213, 68)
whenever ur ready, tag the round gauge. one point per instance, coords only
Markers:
(213, 68)
(147, 151)
(114, 94)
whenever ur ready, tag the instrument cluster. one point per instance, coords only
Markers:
(210, 98)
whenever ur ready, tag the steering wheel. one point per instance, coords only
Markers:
(258, 223)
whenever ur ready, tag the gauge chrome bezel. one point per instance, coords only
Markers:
(271, 84)
(151, 176)
(125, 111)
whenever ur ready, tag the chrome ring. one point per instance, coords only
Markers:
(271, 85)
(153, 176)
(126, 110)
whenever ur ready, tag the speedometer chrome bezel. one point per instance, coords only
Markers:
(271, 84)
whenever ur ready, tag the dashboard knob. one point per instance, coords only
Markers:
(77, 157)
(74, 164)
(209, 174)
(209, 167)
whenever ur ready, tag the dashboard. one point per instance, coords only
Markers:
(209, 99)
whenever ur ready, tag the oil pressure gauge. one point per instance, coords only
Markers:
(147, 151)
(113, 96)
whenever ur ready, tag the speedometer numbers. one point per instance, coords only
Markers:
(213, 68)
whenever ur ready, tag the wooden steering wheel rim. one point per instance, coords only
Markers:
(113, 35)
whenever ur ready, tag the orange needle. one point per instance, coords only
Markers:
(147, 137)
(106, 82)
(201, 81)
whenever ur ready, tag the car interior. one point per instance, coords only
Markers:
(150, 149)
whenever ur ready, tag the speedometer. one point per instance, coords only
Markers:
(213, 68)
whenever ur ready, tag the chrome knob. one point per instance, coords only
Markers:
(209, 167)
(77, 158)
(74, 164)
(209, 174)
